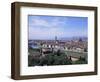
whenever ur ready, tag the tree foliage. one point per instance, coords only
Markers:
(57, 58)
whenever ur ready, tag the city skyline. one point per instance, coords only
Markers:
(47, 27)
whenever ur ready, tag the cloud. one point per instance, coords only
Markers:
(50, 22)
(47, 27)
(39, 22)
(44, 33)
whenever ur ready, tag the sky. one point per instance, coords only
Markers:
(47, 27)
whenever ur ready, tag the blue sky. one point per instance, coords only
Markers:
(47, 27)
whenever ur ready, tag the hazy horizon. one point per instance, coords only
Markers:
(47, 27)
(63, 38)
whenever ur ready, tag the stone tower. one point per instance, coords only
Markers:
(56, 41)
(55, 38)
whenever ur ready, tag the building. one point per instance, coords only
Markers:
(70, 45)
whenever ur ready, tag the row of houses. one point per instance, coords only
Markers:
(77, 46)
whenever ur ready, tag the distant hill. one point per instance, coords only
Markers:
(74, 38)
(65, 38)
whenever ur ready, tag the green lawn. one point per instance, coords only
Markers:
(76, 54)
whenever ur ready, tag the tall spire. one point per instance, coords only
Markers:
(56, 41)
(55, 38)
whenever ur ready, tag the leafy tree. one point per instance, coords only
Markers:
(58, 53)
(57, 58)
(33, 61)
(85, 49)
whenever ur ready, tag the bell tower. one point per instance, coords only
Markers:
(56, 41)
(55, 38)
